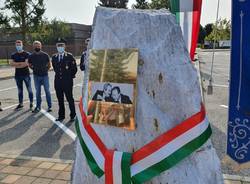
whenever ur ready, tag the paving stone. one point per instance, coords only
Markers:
(17, 162)
(42, 181)
(59, 167)
(2, 176)
(9, 169)
(69, 168)
(244, 182)
(231, 182)
(31, 163)
(2, 166)
(10, 178)
(22, 170)
(64, 176)
(7, 161)
(59, 182)
(50, 174)
(36, 172)
(25, 180)
(45, 165)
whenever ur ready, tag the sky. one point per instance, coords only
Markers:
(82, 11)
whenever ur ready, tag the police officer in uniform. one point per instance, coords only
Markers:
(65, 68)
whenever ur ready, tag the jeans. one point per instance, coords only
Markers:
(19, 82)
(39, 81)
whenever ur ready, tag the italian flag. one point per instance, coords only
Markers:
(188, 14)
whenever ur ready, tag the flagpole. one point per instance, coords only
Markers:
(210, 86)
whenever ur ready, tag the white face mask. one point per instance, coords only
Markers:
(60, 49)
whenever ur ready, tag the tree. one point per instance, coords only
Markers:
(49, 31)
(154, 4)
(158, 4)
(141, 4)
(222, 32)
(114, 3)
(3, 21)
(208, 28)
(202, 35)
(25, 14)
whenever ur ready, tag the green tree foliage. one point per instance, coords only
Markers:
(114, 3)
(202, 35)
(113, 68)
(49, 31)
(222, 32)
(154, 4)
(208, 28)
(4, 21)
(25, 14)
(141, 4)
(158, 4)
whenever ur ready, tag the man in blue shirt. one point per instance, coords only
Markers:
(19, 60)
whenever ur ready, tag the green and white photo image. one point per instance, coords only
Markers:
(114, 65)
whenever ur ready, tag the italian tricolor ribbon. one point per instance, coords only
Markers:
(188, 13)
(149, 161)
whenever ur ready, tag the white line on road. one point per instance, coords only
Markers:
(225, 106)
(6, 89)
(220, 85)
(60, 125)
(53, 92)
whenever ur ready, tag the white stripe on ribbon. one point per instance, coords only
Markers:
(186, 5)
(169, 148)
(94, 150)
(186, 23)
(117, 168)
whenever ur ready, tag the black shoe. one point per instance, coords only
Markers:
(36, 110)
(60, 119)
(49, 110)
(20, 106)
(31, 106)
(1, 109)
(72, 119)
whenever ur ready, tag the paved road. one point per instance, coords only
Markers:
(216, 104)
(27, 134)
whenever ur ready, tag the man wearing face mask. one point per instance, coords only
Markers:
(39, 62)
(19, 60)
(65, 68)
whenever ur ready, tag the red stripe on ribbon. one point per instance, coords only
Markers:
(109, 166)
(170, 135)
(91, 131)
(196, 26)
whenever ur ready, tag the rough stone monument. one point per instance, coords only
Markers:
(168, 92)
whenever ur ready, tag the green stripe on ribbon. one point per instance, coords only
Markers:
(175, 6)
(125, 167)
(173, 159)
(90, 159)
(175, 9)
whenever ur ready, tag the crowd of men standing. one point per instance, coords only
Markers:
(65, 68)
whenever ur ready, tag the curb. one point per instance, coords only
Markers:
(236, 178)
(43, 159)
(211, 50)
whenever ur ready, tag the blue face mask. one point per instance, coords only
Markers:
(19, 48)
(60, 49)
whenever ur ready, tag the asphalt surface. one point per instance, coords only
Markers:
(27, 134)
(217, 103)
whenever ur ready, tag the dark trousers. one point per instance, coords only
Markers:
(19, 83)
(65, 88)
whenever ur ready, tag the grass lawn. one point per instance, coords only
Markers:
(3, 62)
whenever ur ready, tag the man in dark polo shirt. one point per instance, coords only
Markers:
(39, 62)
(19, 60)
